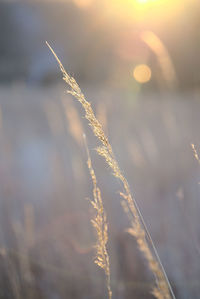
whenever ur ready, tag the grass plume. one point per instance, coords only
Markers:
(100, 225)
(162, 288)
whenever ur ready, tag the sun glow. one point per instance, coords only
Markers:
(142, 1)
(148, 1)
(148, 11)
(154, 2)
(156, 6)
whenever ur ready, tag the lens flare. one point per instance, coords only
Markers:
(163, 56)
(142, 73)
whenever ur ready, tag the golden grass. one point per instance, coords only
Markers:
(100, 225)
(138, 229)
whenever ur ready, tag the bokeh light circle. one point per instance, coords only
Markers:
(142, 73)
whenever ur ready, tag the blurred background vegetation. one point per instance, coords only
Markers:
(138, 63)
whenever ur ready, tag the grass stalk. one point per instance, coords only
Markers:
(162, 288)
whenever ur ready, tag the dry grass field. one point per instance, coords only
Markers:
(47, 240)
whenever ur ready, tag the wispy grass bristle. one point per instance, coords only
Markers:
(99, 222)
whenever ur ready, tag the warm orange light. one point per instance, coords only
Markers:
(142, 73)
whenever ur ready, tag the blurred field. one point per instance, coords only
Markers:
(46, 236)
(137, 62)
